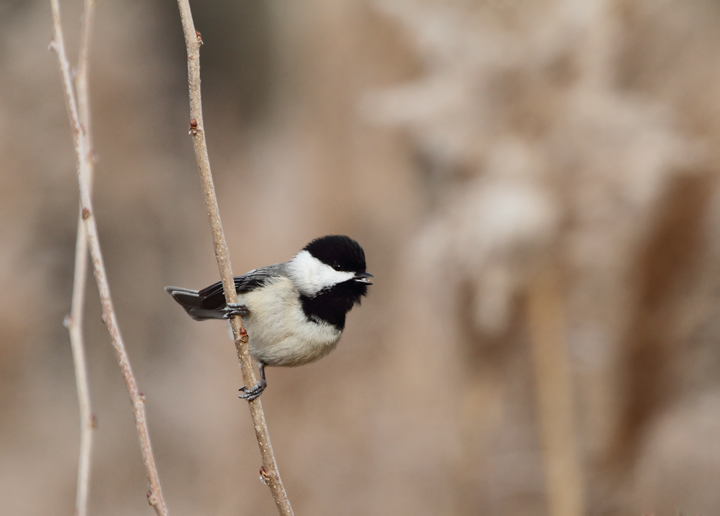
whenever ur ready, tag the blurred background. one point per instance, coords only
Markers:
(535, 184)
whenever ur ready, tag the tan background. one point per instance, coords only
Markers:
(471, 147)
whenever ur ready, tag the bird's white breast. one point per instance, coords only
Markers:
(279, 332)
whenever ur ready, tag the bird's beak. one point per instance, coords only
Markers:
(362, 277)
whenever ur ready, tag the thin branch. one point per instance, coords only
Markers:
(155, 497)
(269, 471)
(81, 83)
(74, 322)
(563, 471)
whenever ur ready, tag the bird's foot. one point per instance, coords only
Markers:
(253, 392)
(233, 309)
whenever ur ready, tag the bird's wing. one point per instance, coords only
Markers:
(214, 296)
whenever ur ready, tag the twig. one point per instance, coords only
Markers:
(155, 497)
(81, 81)
(193, 41)
(74, 321)
(554, 396)
(74, 324)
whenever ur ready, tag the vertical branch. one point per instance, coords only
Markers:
(554, 396)
(81, 82)
(155, 497)
(74, 322)
(270, 473)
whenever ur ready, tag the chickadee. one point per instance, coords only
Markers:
(294, 312)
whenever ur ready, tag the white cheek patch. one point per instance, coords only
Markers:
(311, 275)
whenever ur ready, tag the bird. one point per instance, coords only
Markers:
(294, 312)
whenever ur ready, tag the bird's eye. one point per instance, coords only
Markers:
(336, 266)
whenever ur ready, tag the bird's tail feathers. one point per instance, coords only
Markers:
(186, 297)
(192, 302)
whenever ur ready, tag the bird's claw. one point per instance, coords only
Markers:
(253, 392)
(233, 309)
